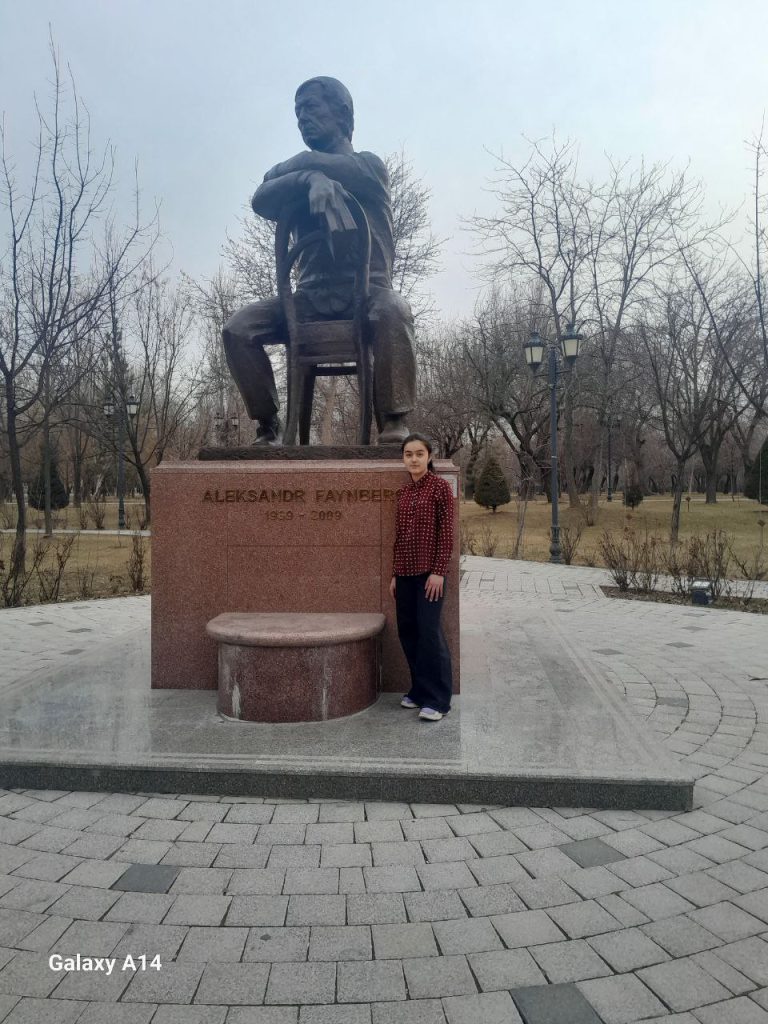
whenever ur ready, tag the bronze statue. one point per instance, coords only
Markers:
(324, 289)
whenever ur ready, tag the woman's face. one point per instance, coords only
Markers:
(416, 458)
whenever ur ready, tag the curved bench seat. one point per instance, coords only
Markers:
(296, 666)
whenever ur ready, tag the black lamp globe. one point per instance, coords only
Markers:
(570, 344)
(534, 351)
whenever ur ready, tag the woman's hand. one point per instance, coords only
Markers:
(434, 587)
(393, 587)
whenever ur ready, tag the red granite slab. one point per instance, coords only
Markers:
(216, 548)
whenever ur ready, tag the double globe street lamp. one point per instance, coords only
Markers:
(566, 352)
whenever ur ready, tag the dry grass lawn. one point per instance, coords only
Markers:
(738, 518)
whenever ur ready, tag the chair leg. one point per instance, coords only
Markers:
(365, 389)
(294, 401)
(305, 410)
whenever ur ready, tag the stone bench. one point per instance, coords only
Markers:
(296, 666)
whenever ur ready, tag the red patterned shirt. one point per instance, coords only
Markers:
(423, 527)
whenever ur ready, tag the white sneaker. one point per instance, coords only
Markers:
(430, 715)
(406, 702)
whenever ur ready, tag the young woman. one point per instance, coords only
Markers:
(423, 544)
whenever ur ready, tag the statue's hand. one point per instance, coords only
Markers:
(326, 197)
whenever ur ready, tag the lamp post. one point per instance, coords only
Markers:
(130, 409)
(534, 357)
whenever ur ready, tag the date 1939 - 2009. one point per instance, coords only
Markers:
(287, 515)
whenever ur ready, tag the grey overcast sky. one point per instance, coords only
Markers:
(201, 92)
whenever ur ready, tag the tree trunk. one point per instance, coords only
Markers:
(143, 475)
(469, 474)
(710, 455)
(16, 573)
(677, 500)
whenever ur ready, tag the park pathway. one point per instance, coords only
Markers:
(312, 912)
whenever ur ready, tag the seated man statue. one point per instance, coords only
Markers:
(324, 290)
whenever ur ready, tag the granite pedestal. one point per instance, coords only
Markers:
(276, 536)
(294, 667)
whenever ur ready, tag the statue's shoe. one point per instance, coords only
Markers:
(269, 433)
(394, 431)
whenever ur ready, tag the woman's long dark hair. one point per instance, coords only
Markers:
(428, 444)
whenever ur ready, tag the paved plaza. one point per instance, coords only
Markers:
(256, 911)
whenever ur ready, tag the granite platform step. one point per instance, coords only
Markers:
(535, 725)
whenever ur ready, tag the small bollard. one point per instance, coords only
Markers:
(701, 592)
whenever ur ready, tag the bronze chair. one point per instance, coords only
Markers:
(327, 347)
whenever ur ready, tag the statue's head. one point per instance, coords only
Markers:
(324, 109)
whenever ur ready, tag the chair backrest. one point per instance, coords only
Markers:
(287, 255)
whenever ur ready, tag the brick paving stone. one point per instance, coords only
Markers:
(438, 977)
(91, 938)
(372, 980)
(467, 935)
(403, 852)
(733, 980)
(234, 855)
(156, 939)
(739, 876)
(257, 881)
(44, 1011)
(351, 1013)
(373, 831)
(257, 910)
(376, 908)
(349, 942)
(33, 895)
(736, 1011)
(526, 928)
(344, 855)
(139, 907)
(680, 936)
(502, 969)
(483, 1008)
(633, 843)
(452, 849)
(444, 905)
(296, 983)
(716, 848)
(426, 828)
(201, 881)
(728, 922)
(392, 878)
(415, 1011)
(628, 950)
(750, 956)
(198, 910)
(591, 853)
(317, 910)
(471, 824)
(578, 920)
(539, 893)
(682, 984)
(569, 961)
(446, 876)
(656, 901)
(232, 983)
(700, 889)
(494, 844)
(755, 903)
(28, 974)
(398, 941)
(346, 811)
(223, 945)
(123, 1013)
(174, 983)
(545, 863)
(293, 856)
(621, 999)
(554, 1003)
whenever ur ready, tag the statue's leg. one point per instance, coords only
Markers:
(394, 370)
(244, 336)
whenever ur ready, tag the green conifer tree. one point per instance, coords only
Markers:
(59, 496)
(756, 484)
(492, 489)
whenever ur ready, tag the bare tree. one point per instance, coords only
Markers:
(54, 273)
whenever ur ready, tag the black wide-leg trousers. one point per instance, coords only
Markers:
(424, 644)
